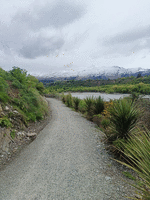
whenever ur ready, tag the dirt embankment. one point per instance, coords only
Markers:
(13, 139)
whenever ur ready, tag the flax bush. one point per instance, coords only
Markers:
(123, 117)
(137, 150)
(98, 105)
(89, 107)
(76, 102)
(69, 101)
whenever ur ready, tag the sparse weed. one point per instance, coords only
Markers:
(13, 134)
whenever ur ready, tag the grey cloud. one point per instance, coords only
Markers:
(128, 42)
(40, 47)
(57, 15)
(129, 36)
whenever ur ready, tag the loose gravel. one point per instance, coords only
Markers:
(67, 160)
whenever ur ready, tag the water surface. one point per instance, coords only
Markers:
(105, 97)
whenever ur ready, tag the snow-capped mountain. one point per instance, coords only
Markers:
(94, 72)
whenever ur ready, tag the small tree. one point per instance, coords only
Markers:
(19, 74)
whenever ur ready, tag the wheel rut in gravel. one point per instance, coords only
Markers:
(67, 160)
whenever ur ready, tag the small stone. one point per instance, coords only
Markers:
(6, 108)
(107, 178)
(31, 134)
(15, 111)
(20, 134)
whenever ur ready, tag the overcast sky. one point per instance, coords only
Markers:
(48, 36)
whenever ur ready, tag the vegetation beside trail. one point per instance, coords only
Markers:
(121, 85)
(23, 93)
(126, 128)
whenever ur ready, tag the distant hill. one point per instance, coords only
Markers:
(97, 73)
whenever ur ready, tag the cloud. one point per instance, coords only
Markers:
(40, 46)
(55, 15)
(130, 41)
(130, 36)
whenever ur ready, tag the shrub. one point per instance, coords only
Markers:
(31, 116)
(123, 117)
(98, 105)
(16, 84)
(4, 97)
(40, 87)
(82, 106)
(137, 150)
(69, 100)
(19, 74)
(97, 119)
(63, 98)
(89, 104)
(76, 101)
(105, 122)
(4, 121)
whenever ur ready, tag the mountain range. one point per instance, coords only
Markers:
(93, 72)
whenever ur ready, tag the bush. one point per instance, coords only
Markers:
(69, 101)
(89, 104)
(123, 117)
(76, 101)
(98, 105)
(19, 74)
(16, 84)
(4, 121)
(63, 98)
(82, 106)
(105, 122)
(4, 97)
(137, 150)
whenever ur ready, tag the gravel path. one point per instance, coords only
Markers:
(66, 161)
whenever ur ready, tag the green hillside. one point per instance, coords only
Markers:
(121, 85)
(22, 92)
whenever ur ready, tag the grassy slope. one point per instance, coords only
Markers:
(23, 93)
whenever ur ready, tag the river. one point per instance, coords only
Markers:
(105, 97)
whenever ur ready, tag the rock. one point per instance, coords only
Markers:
(6, 108)
(5, 140)
(31, 135)
(1, 112)
(107, 178)
(20, 134)
(15, 111)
